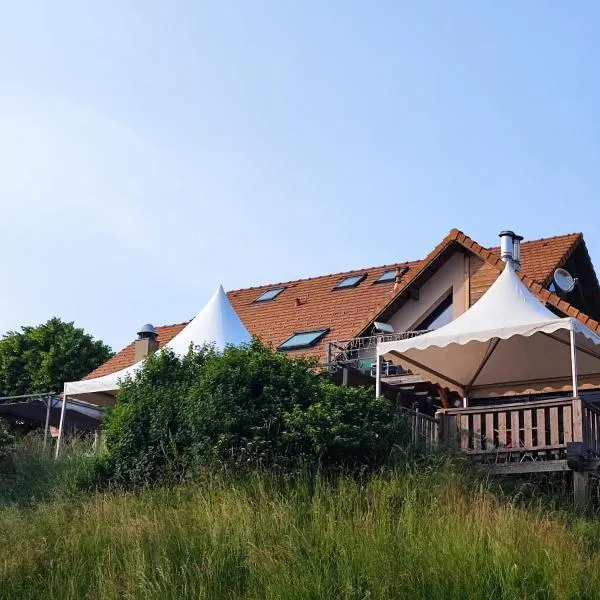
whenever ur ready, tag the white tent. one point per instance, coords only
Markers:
(217, 323)
(506, 343)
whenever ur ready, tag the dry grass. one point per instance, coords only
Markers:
(427, 534)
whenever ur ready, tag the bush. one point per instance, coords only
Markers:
(244, 408)
(7, 442)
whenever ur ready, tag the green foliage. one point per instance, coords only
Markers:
(148, 434)
(346, 427)
(245, 408)
(419, 534)
(7, 442)
(31, 473)
(42, 358)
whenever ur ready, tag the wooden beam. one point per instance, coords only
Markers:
(522, 468)
(443, 396)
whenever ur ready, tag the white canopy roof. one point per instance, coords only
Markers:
(217, 323)
(506, 343)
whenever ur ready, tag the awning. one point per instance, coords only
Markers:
(506, 343)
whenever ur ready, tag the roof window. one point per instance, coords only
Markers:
(350, 282)
(303, 339)
(270, 294)
(390, 275)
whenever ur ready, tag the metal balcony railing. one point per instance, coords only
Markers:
(360, 352)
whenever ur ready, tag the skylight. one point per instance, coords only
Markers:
(390, 275)
(387, 276)
(270, 294)
(351, 281)
(302, 339)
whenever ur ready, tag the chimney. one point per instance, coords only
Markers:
(397, 278)
(517, 252)
(146, 342)
(510, 248)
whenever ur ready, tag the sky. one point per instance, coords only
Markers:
(150, 151)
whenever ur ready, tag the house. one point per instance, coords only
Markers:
(335, 317)
(351, 321)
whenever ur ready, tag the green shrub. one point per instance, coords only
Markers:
(148, 433)
(244, 408)
(7, 442)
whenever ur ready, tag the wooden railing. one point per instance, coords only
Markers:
(591, 428)
(542, 429)
(424, 429)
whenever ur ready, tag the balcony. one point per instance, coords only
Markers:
(360, 353)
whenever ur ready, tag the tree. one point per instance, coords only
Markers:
(41, 358)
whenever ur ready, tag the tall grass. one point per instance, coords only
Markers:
(428, 533)
(30, 473)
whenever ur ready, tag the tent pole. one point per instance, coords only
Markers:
(573, 362)
(48, 402)
(378, 377)
(61, 424)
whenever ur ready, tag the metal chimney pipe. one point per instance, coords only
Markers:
(507, 245)
(517, 252)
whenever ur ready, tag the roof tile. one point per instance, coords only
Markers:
(312, 302)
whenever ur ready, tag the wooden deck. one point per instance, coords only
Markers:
(561, 434)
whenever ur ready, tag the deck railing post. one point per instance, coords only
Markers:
(578, 417)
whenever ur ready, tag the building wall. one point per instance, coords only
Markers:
(452, 276)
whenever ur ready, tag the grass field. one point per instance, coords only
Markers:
(428, 532)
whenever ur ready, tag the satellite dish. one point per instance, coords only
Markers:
(383, 327)
(563, 280)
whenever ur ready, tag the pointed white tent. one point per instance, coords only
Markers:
(506, 343)
(217, 323)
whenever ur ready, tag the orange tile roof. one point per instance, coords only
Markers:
(125, 358)
(313, 303)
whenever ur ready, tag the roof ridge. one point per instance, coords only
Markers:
(575, 234)
(340, 274)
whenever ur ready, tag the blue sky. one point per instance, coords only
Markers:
(152, 150)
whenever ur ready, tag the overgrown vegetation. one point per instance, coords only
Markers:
(428, 530)
(268, 482)
(244, 409)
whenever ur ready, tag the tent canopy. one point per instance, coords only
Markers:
(506, 343)
(217, 323)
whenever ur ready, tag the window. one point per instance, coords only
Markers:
(387, 276)
(302, 339)
(440, 316)
(390, 275)
(270, 294)
(351, 281)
